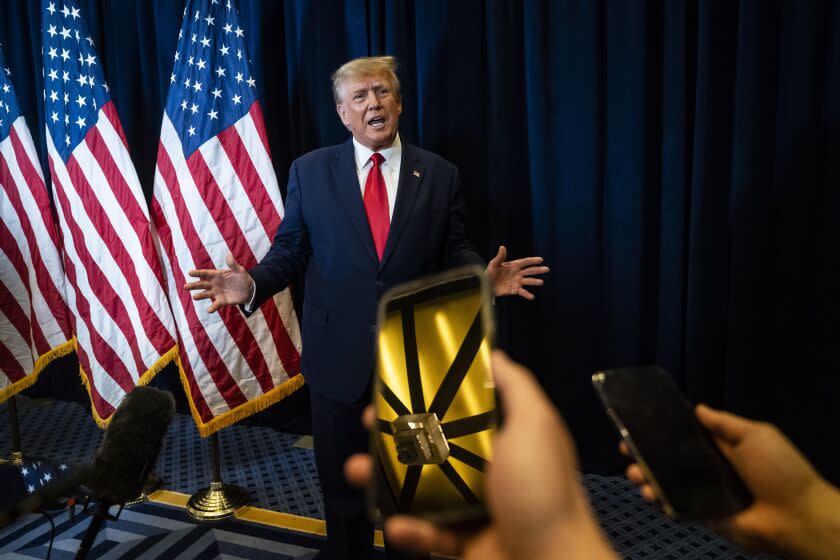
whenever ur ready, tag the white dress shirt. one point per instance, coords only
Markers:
(390, 172)
(390, 169)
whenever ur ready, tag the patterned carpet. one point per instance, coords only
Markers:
(152, 531)
(280, 477)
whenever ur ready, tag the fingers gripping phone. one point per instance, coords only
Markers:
(434, 399)
(689, 475)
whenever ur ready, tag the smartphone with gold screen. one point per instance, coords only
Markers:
(434, 398)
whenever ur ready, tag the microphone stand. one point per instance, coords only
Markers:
(97, 522)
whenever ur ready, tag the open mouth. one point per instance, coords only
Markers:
(376, 122)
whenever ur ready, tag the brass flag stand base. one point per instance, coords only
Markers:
(221, 500)
(153, 484)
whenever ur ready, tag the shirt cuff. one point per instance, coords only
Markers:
(249, 307)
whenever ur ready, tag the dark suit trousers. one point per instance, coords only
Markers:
(338, 434)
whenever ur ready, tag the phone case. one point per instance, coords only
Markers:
(434, 398)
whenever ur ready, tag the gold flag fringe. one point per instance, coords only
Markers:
(240, 412)
(163, 361)
(42, 362)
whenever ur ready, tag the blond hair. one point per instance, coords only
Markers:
(367, 66)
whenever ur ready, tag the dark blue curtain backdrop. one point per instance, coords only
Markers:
(677, 163)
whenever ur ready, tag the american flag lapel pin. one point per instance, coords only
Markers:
(417, 173)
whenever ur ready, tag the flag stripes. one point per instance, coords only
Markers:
(34, 325)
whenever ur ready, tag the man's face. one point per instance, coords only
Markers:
(370, 110)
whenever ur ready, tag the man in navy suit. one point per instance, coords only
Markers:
(361, 217)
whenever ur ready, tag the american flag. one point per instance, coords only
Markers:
(215, 192)
(34, 326)
(124, 327)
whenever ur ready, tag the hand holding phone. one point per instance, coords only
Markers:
(434, 398)
(686, 470)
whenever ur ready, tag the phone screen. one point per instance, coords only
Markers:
(434, 398)
(689, 474)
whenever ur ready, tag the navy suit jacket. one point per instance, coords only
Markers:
(325, 233)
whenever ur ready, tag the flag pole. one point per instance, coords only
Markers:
(220, 500)
(16, 453)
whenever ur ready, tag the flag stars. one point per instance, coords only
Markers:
(172, 79)
(191, 130)
(228, 28)
(53, 74)
(209, 20)
(194, 38)
(53, 52)
(197, 87)
(66, 98)
(82, 79)
(213, 115)
(239, 32)
(200, 64)
(65, 11)
(6, 89)
(187, 82)
(65, 33)
(238, 77)
(65, 76)
(190, 61)
(81, 122)
(216, 93)
(250, 81)
(196, 15)
(91, 60)
(237, 99)
(194, 108)
(205, 42)
(51, 8)
(52, 31)
(74, 13)
(177, 56)
(67, 139)
(47, 477)
(53, 96)
(90, 41)
(81, 101)
(224, 50)
(239, 54)
(65, 54)
(220, 71)
(184, 105)
(54, 117)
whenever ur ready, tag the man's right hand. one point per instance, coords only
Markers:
(230, 286)
(796, 513)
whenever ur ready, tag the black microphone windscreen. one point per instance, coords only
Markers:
(131, 445)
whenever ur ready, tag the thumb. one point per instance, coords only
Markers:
(231, 262)
(519, 391)
(723, 425)
(500, 256)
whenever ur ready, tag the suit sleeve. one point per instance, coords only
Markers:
(459, 250)
(289, 252)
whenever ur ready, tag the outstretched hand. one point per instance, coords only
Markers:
(796, 513)
(510, 278)
(230, 286)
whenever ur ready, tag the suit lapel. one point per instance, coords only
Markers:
(411, 175)
(346, 181)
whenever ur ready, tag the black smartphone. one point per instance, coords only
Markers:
(434, 399)
(688, 472)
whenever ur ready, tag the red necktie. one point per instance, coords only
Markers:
(376, 204)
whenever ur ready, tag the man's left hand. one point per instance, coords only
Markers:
(510, 278)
